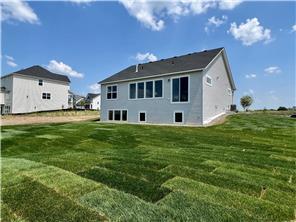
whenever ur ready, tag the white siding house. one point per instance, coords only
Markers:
(93, 101)
(192, 89)
(34, 89)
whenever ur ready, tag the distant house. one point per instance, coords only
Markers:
(34, 89)
(93, 101)
(192, 89)
(76, 101)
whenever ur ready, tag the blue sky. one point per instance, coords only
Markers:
(91, 40)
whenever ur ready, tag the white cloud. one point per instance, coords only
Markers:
(217, 21)
(95, 88)
(250, 76)
(250, 32)
(18, 10)
(294, 28)
(62, 68)
(152, 14)
(10, 61)
(229, 4)
(82, 1)
(273, 70)
(141, 57)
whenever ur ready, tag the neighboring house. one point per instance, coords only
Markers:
(76, 101)
(192, 89)
(34, 89)
(93, 101)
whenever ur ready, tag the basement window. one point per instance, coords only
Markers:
(178, 117)
(117, 115)
(142, 116)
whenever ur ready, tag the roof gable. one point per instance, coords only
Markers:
(40, 72)
(190, 62)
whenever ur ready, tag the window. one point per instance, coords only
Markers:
(110, 115)
(209, 80)
(178, 117)
(142, 116)
(149, 89)
(117, 115)
(46, 95)
(112, 92)
(124, 115)
(180, 89)
(7, 109)
(140, 90)
(40, 82)
(158, 88)
(132, 91)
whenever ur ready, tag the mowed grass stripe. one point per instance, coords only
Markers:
(35, 202)
(260, 209)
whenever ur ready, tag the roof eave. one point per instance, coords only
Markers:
(152, 76)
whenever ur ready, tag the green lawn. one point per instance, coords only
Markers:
(242, 170)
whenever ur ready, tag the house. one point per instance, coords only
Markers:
(192, 89)
(93, 101)
(34, 89)
(76, 101)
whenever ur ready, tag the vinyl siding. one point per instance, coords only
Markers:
(7, 83)
(27, 95)
(216, 99)
(158, 110)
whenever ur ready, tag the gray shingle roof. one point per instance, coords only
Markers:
(40, 72)
(192, 61)
(92, 95)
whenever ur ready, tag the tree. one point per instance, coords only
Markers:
(246, 102)
(282, 108)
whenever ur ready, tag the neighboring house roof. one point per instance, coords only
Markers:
(91, 96)
(40, 72)
(190, 62)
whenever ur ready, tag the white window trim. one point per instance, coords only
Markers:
(41, 82)
(153, 92)
(111, 92)
(178, 111)
(189, 89)
(229, 91)
(145, 117)
(209, 84)
(113, 116)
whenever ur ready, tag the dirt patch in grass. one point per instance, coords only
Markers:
(23, 120)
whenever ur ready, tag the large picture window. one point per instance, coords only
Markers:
(149, 89)
(112, 92)
(158, 88)
(132, 91)
(180, 89)
(146, 90)
(140, 90)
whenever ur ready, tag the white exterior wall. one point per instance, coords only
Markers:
(27, 95)
(96, 103)
(7, 95)
(216, 98)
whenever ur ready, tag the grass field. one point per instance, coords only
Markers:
(242, 170)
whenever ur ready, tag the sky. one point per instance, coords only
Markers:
(91, 40)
